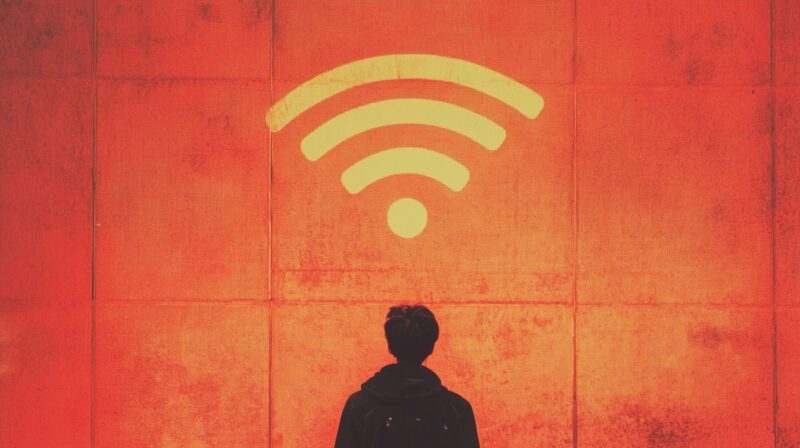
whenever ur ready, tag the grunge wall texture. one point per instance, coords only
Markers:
(622, 272)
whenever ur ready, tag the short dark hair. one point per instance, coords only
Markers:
(411, 331)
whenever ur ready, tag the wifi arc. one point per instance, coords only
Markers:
(407, 217)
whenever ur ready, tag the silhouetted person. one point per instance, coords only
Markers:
(404, 405)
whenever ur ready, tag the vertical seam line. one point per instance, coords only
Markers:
(93, 331)
(270, 395)
(773, 209)
(575, 226)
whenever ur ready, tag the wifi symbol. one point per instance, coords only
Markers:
(407, 217)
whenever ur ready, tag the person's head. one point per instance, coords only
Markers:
(411, 332)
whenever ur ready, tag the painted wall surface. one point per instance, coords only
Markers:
(624, 270)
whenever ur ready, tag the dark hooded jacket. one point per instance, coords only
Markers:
(400, 383)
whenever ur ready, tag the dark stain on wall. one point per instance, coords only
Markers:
(709, 336)
(253, 12)
(788, 437)
(208, 12)
(653, 428)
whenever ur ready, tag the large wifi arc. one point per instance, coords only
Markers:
(398, 67)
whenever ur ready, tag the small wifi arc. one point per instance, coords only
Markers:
(406, 217)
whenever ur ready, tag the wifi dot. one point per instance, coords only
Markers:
(407, 217)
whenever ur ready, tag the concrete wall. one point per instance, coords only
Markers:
(623, 271)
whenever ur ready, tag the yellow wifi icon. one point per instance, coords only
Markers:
(407, 217)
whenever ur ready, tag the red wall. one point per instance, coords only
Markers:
(624, 271)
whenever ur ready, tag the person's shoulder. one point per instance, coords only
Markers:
(359, 399)
(457, 401)
(455, 397)
(357, 396)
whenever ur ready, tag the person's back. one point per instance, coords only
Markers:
(404, 405)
